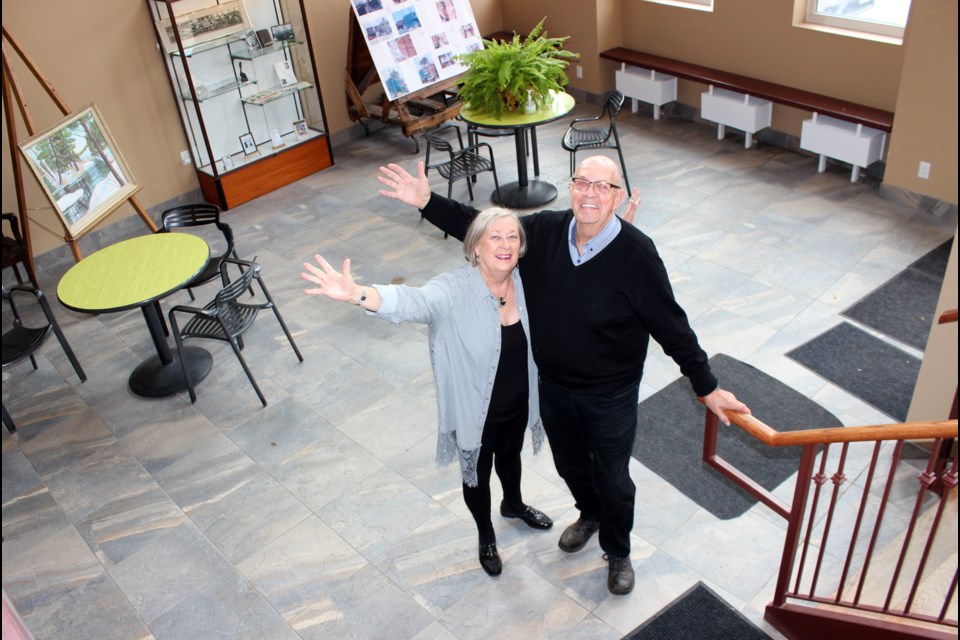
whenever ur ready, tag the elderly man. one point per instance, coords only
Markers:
(596, 292)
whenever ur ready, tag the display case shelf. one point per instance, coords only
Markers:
(269, 95)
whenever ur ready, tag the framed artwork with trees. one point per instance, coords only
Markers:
(80, 169)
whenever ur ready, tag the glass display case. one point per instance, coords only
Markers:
(244, 79)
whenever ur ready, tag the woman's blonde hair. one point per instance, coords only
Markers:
(481, 223)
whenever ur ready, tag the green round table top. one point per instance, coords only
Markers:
(562, 104)
(133, 272)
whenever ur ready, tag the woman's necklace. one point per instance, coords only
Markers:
(502, 300)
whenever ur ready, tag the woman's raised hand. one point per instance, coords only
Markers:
(330, 283)
(631, 211)
(404, 187)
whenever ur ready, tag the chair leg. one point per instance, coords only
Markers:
(283, 325)
(7, 420)
(246, 369)
(183, 367)
(70, 354)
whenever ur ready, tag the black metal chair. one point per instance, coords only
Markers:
(582, 137)
(15, 249)
(22, 342)
(461, 162)
(196, 215)
(227, 320)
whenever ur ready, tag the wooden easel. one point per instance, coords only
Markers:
(412, 112)
(12, 94)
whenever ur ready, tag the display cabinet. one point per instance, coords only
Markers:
(244, 80)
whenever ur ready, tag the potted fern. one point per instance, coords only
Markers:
(504, 76)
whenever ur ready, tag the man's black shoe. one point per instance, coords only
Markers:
(533, 517)
(619, 575)
(490, 559)
(575, 537)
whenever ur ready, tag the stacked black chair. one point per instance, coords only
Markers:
(583, 137)
(226, 319)
(197, 215)
(459, 163)
(22, 342)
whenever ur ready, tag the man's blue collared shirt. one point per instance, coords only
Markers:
(596, 244)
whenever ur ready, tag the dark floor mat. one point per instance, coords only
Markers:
(697, 614)
(875, 371)
(904, 306)
(670, 436)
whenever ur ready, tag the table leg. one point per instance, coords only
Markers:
(161, 375)
(524, 193)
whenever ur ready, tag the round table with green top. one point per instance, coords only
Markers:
(524, 193)
(137, 273)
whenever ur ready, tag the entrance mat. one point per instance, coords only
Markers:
(701, 614)
(875, 371)
(903, 307)
(670, 436)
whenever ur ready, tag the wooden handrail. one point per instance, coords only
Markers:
(948, 316)
(899, 431)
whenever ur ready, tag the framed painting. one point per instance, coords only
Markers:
(80, 169)
(210, 23)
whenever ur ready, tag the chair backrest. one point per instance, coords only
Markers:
(230, 312)
(436, 140)
(614, 103)
(196, 215)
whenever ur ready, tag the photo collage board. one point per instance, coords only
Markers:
(414, 43)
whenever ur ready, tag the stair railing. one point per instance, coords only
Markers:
(836, 579)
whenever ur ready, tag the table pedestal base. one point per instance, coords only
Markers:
(536, 194)
(153, 379)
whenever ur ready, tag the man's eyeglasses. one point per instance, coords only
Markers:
(601, 187)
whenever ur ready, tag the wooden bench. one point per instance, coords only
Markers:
(826, 134)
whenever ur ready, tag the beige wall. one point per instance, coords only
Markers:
(937, 382)
(925, 127)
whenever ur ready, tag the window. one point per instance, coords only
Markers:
(698, 5)
(877, 17)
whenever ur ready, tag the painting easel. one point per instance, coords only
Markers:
(412, 112)
(12, 94)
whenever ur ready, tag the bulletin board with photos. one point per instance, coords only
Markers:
(244, 79)
(415, 43)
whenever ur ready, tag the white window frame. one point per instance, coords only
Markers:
(853, 26)
(696, 5)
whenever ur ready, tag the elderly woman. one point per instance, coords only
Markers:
(484, 370)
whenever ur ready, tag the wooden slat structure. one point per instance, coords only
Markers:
(412, 112)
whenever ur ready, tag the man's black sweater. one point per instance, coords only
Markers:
(591, 323)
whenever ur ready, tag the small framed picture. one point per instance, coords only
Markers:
(285, 73)
(264, 38)
(248, 143)
(253, 42)
(276, 139)
(282, 32)
(227, 162)
(301, 129)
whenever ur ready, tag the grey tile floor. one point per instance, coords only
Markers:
(323, 514)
